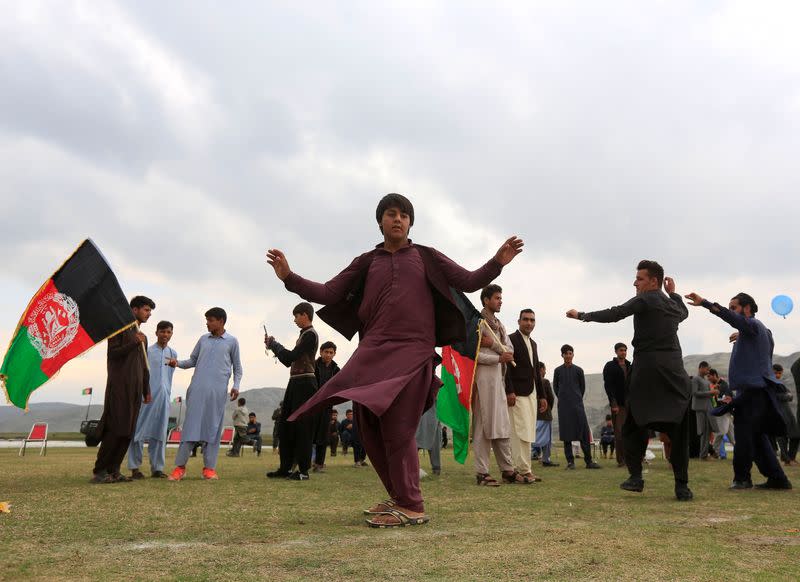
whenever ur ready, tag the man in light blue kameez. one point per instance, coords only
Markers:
(214, 357)
(151, 426)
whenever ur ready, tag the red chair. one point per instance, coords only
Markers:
(174, 437)
(227, 435)
(38, 434)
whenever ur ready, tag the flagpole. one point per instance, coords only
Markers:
(144, 350)
(90, 404)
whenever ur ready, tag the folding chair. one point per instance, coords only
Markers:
(227, 435)
(38, 434)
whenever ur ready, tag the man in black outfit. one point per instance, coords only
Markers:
(658, 391)
(615, 375)
(296, 437)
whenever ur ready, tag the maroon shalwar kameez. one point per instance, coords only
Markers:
(390, 377)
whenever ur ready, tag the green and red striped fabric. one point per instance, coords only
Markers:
(458, 374)
(79, 306)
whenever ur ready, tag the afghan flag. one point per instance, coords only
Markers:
(177, 400)
(458, 374)
(87, 392)
(78, 307)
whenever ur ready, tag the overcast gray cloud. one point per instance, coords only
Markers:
(188, 138)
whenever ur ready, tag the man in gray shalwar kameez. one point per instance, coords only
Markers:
(214, 357)
(151, 426)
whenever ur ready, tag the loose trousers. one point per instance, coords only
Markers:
(390, 441)
(544, 439)
(112, 451)
(752, 443)
(156, 453)
(210, 453)
(618, 420)
(636, 438)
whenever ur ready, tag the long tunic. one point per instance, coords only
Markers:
(213, 358)
(429, 431)
(658, 389)
(490, 405)
(153, 417)
(569, 385)
(128, 383)
(398, 336)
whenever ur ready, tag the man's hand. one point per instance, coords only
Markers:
(148, 399)
(268, 339)
(572, 314)
(694, 299)
(734, 337)
(511, 399)
(542, 405)
(669, 285)
(486, 341)
(506, 357)
(234, 394)
(171, 362)
(510, 249)
(714, 391)
(727, 399)
(140, 337)
(278, 261)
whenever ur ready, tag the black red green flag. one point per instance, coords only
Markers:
(79, 306)
(458, 374)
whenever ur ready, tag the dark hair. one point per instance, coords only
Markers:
(327, 346)
(348, 410)
(653, 269)
(566, 348)
(744, 300)
(712, 372)
(164, 325)
(526, 310)
(394, 201)
(141, 301)
(777, 368)
(489, 291)
(217, 313)
(619, 345)
(242, 401)
(703, 364)
(252, 414)
(540, 366)
(304, 308)
(608, 417)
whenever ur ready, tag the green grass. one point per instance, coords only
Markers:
(574, 525)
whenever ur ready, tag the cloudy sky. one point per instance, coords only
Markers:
(186, 138)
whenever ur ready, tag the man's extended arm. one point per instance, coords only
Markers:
(612, 314)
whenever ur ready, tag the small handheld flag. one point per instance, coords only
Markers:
(87, 392)
(79, 306)
(177, 400)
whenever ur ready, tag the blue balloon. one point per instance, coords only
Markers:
(782, 305)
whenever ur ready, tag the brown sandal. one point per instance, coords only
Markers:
(529, 478)
(513, 478)
(486, 480)
(380, 508)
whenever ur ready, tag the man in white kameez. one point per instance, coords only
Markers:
(214, 358)
(151, 426)
(491, 427)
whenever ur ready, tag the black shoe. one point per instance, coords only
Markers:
(635, 484)
(534, 457)
(137, 474)
(231, 454)
(549, 464)
(593, 465)
(277, 474)
(775, 484)
(298, 476)
(741, 484)
(158, 475)
(683, 493)
(570, 466)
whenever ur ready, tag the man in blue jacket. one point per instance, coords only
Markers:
(756, 411)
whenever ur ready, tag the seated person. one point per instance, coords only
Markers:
(254, 432)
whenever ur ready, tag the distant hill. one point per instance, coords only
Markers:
(67, 417)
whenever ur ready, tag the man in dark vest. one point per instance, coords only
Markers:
(615, 376)
(658, 391)
(524, 393)
(127, 388)
(398, 297)
(756, 412)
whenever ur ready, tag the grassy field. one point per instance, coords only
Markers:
(574, 525)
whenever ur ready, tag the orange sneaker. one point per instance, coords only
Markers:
(177, 474)
(209, 473)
